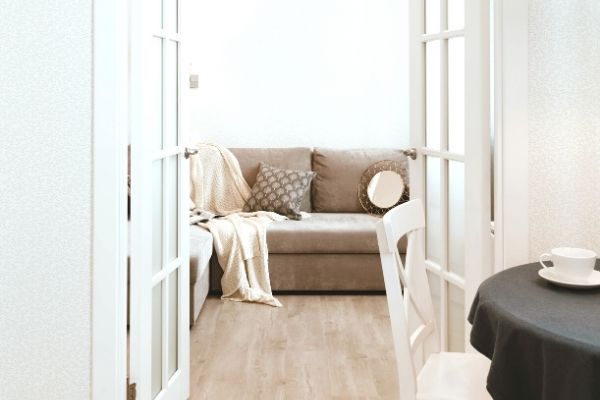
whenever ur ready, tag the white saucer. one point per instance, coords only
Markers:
(551, 275)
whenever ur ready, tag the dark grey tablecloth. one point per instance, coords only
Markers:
(543, 340)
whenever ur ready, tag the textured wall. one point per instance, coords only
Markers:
(45, 196)
(300, 73)
(564, 120)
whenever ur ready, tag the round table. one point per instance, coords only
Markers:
(543, 340)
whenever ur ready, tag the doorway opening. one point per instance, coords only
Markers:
(160, 157)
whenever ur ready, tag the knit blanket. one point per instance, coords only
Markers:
(219, 192)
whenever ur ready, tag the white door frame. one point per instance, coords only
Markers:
(512, 128)
(109, 241)
(478, 255)
(109, 235)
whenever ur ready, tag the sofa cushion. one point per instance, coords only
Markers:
(298, 158)
(335, 187)
(279, 190)
(325, 233)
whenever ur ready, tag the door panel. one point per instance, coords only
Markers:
(433, 210)
(456, 14)
(154, 101)
(172, 211)
(171, 77)
(157, 216)
(456, 318)
(433, 95)
(172, 323)
(448, 42)
(456, 218)
(456, 95)
(432, 14)
(159, 253)
(171, 20)
(156, 340)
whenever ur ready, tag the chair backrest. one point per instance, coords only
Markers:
(409, 299)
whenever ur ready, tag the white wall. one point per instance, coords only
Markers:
(279, 73)
(45, 196)
(564, 121)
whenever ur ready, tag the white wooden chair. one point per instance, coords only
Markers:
(423, 372)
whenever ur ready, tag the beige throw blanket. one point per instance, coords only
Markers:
(240, 239)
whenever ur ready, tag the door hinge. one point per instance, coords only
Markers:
(131, 391)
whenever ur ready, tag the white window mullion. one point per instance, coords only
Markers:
(163, 34)
(172, 266)
(166, 153)
(451, 277)
(444, 155)
(444, 35)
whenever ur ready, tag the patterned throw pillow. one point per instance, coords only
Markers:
(279, 190)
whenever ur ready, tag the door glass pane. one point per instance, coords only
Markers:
(173, 321)
(435, 290)
(456, 95)
(456, 14)
(456, 319)
(172, 208)
(157, 14)
(171, 91)
(156, 370)
(433, 211)
(456, 217)
(170, 10)
(432, 95)
(157, 215)
(432, 16)
(155, 100)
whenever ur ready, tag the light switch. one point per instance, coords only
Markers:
(194, 81)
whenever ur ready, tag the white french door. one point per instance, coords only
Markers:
(450, 128)
(159, 327)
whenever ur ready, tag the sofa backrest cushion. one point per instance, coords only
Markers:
(335, 187)
(298, 158)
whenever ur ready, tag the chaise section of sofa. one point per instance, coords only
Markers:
(336, 248)
(201, 247)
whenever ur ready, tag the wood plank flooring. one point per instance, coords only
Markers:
(315, 347)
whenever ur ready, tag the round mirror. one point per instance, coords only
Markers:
(385, 189)
(383, 186)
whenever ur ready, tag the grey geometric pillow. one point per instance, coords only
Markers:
(279, 190)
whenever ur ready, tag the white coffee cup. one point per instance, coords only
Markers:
(571, 262)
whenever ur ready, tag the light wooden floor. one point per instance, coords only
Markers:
(315, 347)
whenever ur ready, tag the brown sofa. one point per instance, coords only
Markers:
(336, 248)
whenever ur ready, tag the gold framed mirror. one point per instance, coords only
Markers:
(383, 186)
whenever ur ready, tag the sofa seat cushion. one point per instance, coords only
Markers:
(335, 233)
